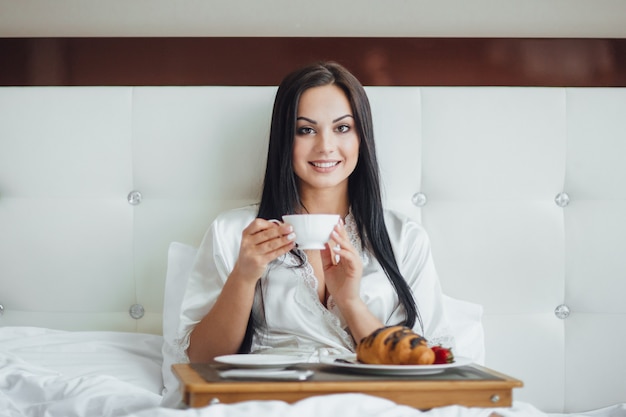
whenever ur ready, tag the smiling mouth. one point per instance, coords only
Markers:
(324, 164)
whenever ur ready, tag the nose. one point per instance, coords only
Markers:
(325, 142)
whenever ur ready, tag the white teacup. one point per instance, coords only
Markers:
(312, 230)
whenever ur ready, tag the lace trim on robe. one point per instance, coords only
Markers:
(355, 240)
(310, 300)
(178, 349)
(331, 313)
(441, 339)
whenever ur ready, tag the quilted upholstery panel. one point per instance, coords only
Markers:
(488, 163)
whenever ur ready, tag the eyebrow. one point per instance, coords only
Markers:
(314, 122)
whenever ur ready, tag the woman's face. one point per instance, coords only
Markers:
(326, 144)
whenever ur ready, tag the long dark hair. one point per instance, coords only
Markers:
(280, 188)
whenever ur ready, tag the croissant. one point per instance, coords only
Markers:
(394, 345)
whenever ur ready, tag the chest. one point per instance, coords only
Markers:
(315, 260)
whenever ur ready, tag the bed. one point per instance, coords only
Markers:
(106, 191)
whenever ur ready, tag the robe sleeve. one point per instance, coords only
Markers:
(214, 262)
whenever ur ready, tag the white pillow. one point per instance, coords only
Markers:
(466, 324)
(180, 258)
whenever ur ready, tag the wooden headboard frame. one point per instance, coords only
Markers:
(259, 61)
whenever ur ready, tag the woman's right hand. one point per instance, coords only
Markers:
(262, 242)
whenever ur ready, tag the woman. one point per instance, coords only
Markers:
(253, 290)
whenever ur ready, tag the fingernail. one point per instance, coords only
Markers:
(337, 248)
(337, 258)
(291, 236)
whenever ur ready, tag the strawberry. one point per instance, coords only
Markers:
(443, 355)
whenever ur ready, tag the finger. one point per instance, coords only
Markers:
(262, 231)
(276, 236)
(335, 252)
(330, 254)
(262, 254)
(279, 243)
(275, 253)
(256, 226)
(342, 251)
(341, 239)
(264, 241)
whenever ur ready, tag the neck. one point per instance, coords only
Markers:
(326, 202)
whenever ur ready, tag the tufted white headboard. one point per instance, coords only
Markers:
(520, 189)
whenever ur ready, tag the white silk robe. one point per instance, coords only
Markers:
(297, 322)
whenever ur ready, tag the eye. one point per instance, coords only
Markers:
(343, 128)
(305, 130)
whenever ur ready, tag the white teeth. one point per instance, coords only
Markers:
(324, 164)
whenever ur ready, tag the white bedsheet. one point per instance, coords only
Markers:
(132, 357)
(28, 390)
(53, 373)
(49, 373)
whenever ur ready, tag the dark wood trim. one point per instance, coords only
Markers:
(264, 61)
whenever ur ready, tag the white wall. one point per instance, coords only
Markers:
(385, 18)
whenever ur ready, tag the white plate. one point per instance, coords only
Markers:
(259, 360)
(354, 366)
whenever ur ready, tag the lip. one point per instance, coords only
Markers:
(324, 165)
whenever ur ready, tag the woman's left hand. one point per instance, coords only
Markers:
(342, 276)
(343, 268)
